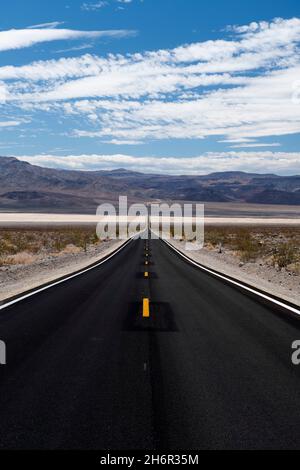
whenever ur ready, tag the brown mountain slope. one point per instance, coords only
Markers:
(27, 187)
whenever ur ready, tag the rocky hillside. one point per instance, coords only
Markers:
(27, 187)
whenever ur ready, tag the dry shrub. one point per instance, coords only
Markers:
(277, 245)
(285, 255)
(49, 239)
(71, 249)
(247, 245)
(217, 236)
(294, 268)
(20, 258)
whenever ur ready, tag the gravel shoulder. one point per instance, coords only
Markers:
(15, 280)
(273, 281)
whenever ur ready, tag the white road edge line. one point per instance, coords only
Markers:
(72, 276)
(236, 283)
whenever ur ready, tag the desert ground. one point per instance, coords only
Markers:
(264, 256)
(31, 256)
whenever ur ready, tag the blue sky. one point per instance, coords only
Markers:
(171, 86)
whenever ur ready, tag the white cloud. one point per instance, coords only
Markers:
(3, 92)
(94, 6)
(262, 107)
(10, 123)
(259, 162)
(238, 146)
(82, 47)
(238, 89)
(53, 24)
(20, 38)
(123, 142)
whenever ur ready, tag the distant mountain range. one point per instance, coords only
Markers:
(25, 187)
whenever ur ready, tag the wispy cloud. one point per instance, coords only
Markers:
(257, 145)
(94, 6)
(82, 47)
(20, 38)
(260, 162)
(238, 89)
(53, 24)
(10, 123)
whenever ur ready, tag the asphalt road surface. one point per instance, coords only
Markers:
(209, 369)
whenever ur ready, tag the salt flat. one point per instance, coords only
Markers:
(9, 219)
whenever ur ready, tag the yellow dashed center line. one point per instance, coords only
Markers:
(146, 301)
(146, 308)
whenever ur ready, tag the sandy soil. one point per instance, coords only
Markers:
(16, 279)
(274, 281)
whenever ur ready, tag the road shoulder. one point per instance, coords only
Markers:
(16, 280)
(280, 284)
